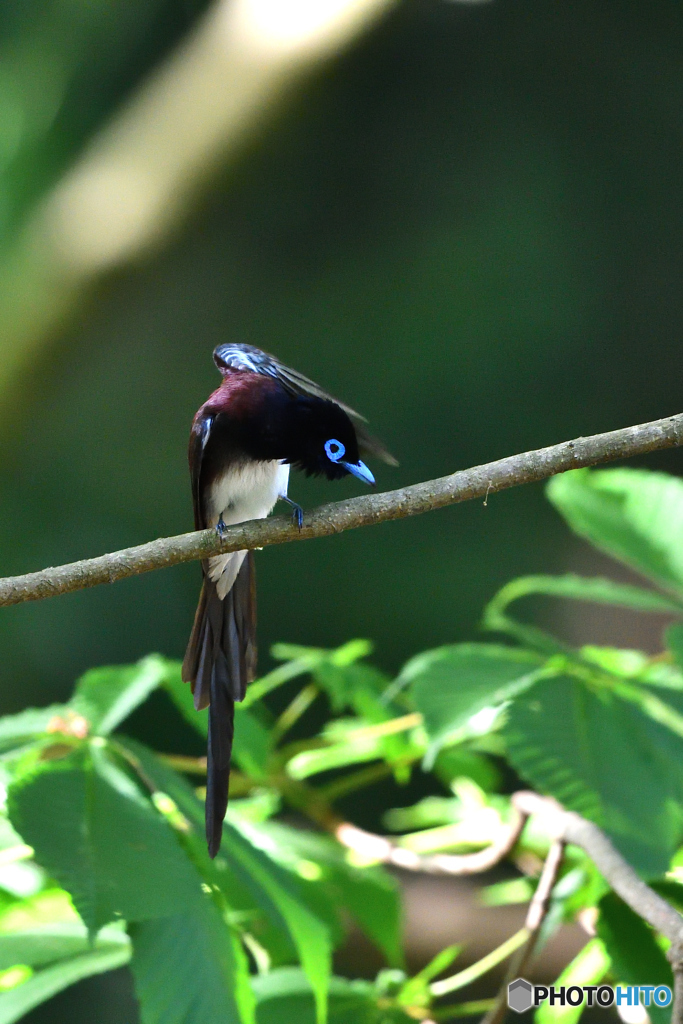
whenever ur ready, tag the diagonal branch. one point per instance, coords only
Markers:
(465, 485)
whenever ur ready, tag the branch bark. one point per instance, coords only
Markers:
(569, 827)
(465, 485)
(536, 914)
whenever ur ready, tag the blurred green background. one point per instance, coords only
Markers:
(467, 225)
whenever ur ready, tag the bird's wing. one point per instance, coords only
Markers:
(246, 357)
(201, 429)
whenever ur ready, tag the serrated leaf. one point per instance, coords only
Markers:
(243, 864)
(106, 956)
(632, 514)
(636, 957)
(244, 846)
(600, 756)
(451, 684)
(96, 833)
(250, 902)
(369, 894)
(284, 997)
(189, 969)
(587, 968)
(106, 696)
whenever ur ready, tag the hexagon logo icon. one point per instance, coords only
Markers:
(520, 995)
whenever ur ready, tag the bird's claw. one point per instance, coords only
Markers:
(221, 528)
(297, 511)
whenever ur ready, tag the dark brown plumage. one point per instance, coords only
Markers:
(263, 418)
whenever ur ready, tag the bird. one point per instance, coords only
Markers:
(263, 419)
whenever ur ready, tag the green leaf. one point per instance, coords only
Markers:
(596, 589)
(246, 861)
(415, 992)
(251, 743)
(108, 953)
(369, 894)
(455, 762)
(181, 695)
(302, 660)
(674, 641)
(247, 848)
(28, 725)
(632, 514)
(190, 969)
(284, 997)
(636, 957)
(354, 685)
(244, 896)
(587, 968)
(452, 684)
(50, 942)
(601, 756)
(105, 696)
(95, 832)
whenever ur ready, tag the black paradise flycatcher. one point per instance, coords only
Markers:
(262, 419)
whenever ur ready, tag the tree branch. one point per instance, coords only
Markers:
(569, 827)
(386, 851)
(536, 914)
(465, 485)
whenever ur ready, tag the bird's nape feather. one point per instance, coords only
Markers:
(246, 357)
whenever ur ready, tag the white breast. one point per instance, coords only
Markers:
(247, 491)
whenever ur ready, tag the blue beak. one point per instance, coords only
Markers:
(360, 470)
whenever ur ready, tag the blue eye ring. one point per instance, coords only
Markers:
(334, 450)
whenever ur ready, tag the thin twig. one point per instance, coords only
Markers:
(569, 827)
(464, 485)
(536, 914)
(380, 849)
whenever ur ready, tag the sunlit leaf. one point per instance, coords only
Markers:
(97, 834)
(244, 846)
(595, 589)
(452, 684)
(632, 514)
(243, 894)
(604, 758)
(369, 894)
(106, 696)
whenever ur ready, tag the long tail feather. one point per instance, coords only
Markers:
(220, 661)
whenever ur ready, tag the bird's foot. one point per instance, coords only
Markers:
(297, 511)
(221, 528)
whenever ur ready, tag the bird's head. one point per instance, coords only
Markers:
(325, 443)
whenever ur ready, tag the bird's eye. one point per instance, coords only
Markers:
(334, 450)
